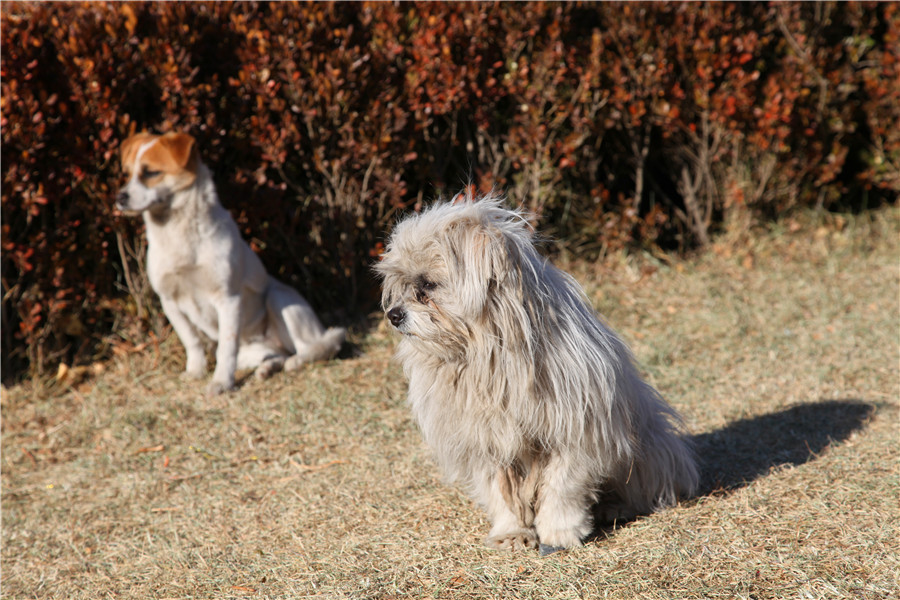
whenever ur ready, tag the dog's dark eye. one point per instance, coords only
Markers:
(150, 173)
(424, 289)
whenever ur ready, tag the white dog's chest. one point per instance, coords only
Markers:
(178, 266)
(191, 289)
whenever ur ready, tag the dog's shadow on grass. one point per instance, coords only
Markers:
(739, 453)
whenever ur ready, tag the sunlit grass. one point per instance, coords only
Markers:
(132, 484)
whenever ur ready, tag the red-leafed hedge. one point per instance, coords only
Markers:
(617, 124)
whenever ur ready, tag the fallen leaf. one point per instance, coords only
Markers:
(159, 448)
(316, 467)
(747, 263)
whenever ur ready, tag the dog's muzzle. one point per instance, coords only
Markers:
(396, 316)
(124, 202)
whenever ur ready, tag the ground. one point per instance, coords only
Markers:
(780, 348)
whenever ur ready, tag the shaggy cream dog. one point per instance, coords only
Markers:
(526, 397)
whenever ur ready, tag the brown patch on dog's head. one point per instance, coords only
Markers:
(128, 149)
(182, 149)
(172, 153)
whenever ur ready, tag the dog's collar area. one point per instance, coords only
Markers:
(160, 214)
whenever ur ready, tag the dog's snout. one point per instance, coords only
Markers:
(396, 316)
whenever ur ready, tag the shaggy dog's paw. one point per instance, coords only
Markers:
(517, 539)
(218, 387)
(558, 539)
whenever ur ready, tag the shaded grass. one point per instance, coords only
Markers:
(780, 350)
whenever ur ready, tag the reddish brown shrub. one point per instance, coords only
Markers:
(617, 124)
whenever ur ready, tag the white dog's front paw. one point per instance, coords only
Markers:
(517, 539)
(195, 368)
(214, 388)
(192, 374)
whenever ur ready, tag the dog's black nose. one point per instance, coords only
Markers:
(396, 316)
(122, 199)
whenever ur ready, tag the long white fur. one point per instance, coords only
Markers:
(527, 398)
(212, 285)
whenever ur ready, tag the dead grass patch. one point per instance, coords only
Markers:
(781, 351)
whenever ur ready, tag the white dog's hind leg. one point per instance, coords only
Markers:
(260, 356)
(563, 518)
(269, 367)
(195, 366)
(298, 327)
(321, 348)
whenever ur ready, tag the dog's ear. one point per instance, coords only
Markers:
(481, 260)
(182, 146)
(130, 146)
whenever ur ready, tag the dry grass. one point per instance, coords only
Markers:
(781, 351)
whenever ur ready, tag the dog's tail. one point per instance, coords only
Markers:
(330, 343)
(322, 348)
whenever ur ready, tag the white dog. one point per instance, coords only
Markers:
(525, 396)
(209, 281)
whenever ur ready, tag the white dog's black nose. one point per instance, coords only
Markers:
(122, 199)
(396, 316)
